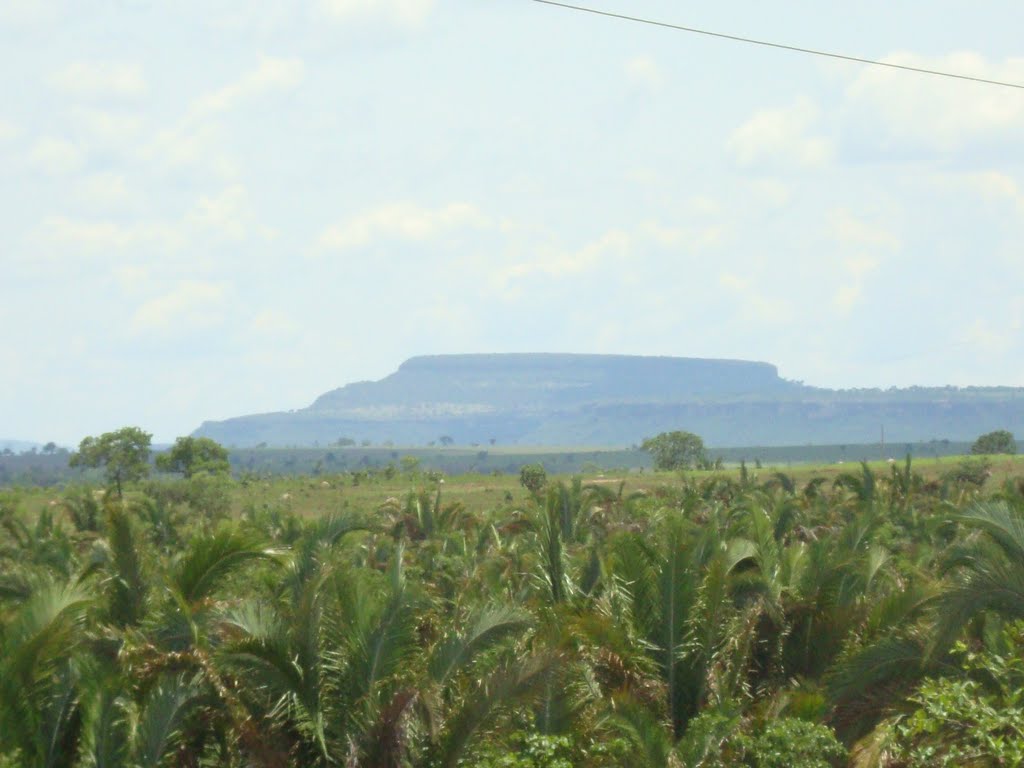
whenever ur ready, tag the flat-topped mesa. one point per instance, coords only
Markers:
(524, 380)
(616, 400)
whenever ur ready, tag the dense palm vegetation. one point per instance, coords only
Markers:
(873, 621)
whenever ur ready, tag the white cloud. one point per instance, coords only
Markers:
(669, 237)
(8, 130)
(402, 221)
(400, 12)
(781, 138)
(27, 11)
(849, 229)
(56, 156)
(99, 78)
(132, 277)
(229, 214)
(995, 185)
(981, 336)
(104, 190)
(104, 236)
(755, 305)
(272, 322)
(272, 74)
(190, 305)
(867, 242)
(198, 138)
(939, 113)
(645, 71)
(691, 239)
(851, 291)
(192, 143)
(560, 264)
(771, 191)
(703, 205)
(113, 128)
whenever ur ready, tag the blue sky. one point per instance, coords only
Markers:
(217, 208)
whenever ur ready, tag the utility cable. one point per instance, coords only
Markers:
(781, 46)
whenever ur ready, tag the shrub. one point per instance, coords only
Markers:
(999, 441)
(533, 477)
(959, 720)
(717, 740)
(674, 450)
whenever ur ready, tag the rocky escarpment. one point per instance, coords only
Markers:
(614, 400)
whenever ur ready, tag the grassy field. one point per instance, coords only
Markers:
(366, 491)
(310, 496)
(41, 469)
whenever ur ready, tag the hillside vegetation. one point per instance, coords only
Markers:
(868, 617)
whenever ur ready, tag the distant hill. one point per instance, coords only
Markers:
(6, 444)
(617, 400)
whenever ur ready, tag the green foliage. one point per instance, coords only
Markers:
(191, 455)
(675, 450)
(84, 509)
(708, 621)
(976, 720)
(533, 477)
(1000, 441)
(791, 743)
(971, 472)
(958, 724)
(209, 495)
(530, 750)
(718, 740)
(123, 455)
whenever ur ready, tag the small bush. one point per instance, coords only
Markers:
(533, 477)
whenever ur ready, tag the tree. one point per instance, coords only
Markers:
(999, 441)
(532, 477)
(674, 450)
(190, 455)
(446, 440)
(123, 455)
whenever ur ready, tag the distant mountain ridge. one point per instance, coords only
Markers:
(535, 381)
(9, 444)
(615, 400)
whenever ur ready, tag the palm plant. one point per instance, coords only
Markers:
(665, 582)
(988, 570)
(40, 717)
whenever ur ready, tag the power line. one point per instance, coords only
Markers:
(782, 46)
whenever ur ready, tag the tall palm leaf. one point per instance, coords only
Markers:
(210, 560)
(38, 691)
(989, 574)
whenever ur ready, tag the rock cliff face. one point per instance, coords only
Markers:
(615, 400)
(483, 383)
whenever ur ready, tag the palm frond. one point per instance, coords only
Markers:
(1001, 522)
(211, 559)
(109, 723)
(988, 586)
(127, 586)
(488, 627)
(387, 742)
(511, 682)
(160, 720)
(866, 681)
(650, 738)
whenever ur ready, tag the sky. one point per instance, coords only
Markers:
(217, 208)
